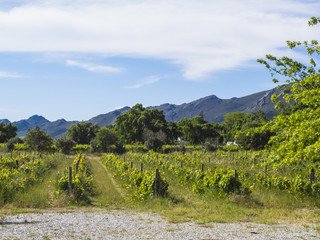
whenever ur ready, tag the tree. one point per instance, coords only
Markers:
(7, 131)
(196, 130)
(82, 132)
(298, 131)
(64, 144)
(105, 138)
(38, 140)
(131, 125)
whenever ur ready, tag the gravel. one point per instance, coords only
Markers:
(126, 225)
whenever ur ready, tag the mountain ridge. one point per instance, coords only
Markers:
(213, 108)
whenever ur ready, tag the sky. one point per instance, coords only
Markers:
(75, 59)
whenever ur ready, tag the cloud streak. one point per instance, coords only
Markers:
(202, 37)
(93, 68)
(147, 81)
(9, 75)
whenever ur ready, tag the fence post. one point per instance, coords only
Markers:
(202, 167)
(156, 183)
(236, 178)
(70, 179)
(131, 165)
(141, 167)
(209, 159)
(312, 175)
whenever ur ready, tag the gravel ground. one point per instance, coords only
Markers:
(125, 225)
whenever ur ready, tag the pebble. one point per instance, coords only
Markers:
(120, 224)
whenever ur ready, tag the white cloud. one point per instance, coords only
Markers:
(201, 36)
(9, 75)
(147, 81)
(92, 67)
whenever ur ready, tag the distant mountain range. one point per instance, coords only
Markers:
(213, 108)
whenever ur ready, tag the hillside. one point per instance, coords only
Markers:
(213, 108)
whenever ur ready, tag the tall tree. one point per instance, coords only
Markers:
(7, 131)
(297, 132)
(82, 132)
(38, 140)
(196, 130)
(132, 124)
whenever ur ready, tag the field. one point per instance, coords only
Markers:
(222, 186)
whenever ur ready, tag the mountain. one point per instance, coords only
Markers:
(213, 108)
(108, 118)
(5, 121)
(55, 129)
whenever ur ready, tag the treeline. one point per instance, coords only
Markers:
(142, 126)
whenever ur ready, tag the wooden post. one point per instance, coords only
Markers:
(156, 183)
(236, 178)
(202, 167)
(131, 164)
(209, 159)
(312, 176)
(181, 164)
(124, 158)
(141, 167)
(70, 179)
(254, 161)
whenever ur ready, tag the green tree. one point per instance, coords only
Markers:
(64, 144)
(298, 131)
(240, 121)
(131, 125)
(7, 131)
(196, 130)
(38, 140)
(82, 132)
(105, 138)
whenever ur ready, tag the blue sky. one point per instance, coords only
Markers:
(77, 59)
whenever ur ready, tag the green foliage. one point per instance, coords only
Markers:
(132, 124)
(253, 138)
(7, 131)
(64, 145)
(140, 185)
(82, 132)
(197, 130)
(20, 172)
(82, 181)
(38, 140)
(81, 148)
(234, 122)
(105, 138)
(297, 131)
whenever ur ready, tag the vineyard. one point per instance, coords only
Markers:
(190, 184)
(20, 171)
(220, 173)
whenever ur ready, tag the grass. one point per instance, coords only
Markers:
(107, 194)
(181, 204)
(40, 195)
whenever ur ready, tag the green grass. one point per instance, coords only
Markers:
(40, 195)
(107, 194)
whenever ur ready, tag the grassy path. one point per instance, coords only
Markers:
(107, 191)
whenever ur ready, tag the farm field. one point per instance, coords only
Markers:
(198, 186)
